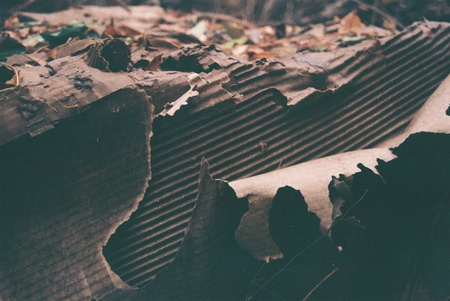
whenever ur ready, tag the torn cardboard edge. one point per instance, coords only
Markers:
(301, 79)
(69, 104)
(298, 79)
(202, 269)
(312, 76)
(312, 178)
(189, 278)
(63, 213)
(376, 104)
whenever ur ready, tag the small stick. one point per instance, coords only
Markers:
(279, 164)
(118, 2)
(123, 5)
(25, 5)
(320, 283)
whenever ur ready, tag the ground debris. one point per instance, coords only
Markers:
(287, 117)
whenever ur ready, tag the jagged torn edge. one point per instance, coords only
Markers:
(197, 82)
(311, 179)
(118, 282)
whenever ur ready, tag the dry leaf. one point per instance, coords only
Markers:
(12, 22)
(350, 25)
(155, 63)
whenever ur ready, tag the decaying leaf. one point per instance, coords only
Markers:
(9, 46)
(69, 31)
(9, 76)
(350, 25)
(199, 30)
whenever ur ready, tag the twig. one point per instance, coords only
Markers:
(285, 266)
(216, 16)
(269, 292)
(380, 12)
(306, 249)
(41, 62)
(348, 211)
(279, 164)
(118, 2)
(320, 283)
(25, 5)
(254, 279)
(123, 5)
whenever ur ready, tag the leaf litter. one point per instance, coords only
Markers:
(159, 31)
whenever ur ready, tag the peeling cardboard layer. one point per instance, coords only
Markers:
(310, 178)
(47, 95)
(270, 127)
(65, 191)
(246, 118)
(384, 225)
(389, 239)
(65, 88)
(209, 260)
(209, 87)
(385, 214)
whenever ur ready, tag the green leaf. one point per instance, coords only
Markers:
(353, 40)
(9, 46)
(199, 30)
(239, 41)
(69, 31)
(318, 48)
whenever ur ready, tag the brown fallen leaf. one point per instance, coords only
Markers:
(122, 31)
(168, 43)
(9, 76)
(36, 59)
(12, 22)
(155, 63)
(350, 25)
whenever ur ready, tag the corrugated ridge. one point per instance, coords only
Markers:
(64, 248)
(56, 235)
(381, 103)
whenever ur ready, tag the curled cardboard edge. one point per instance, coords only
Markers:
(368, 89)
(111, 107)
(205, 265)
(117, 281)
(64, 88)
(299, 79)
(312, 179)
